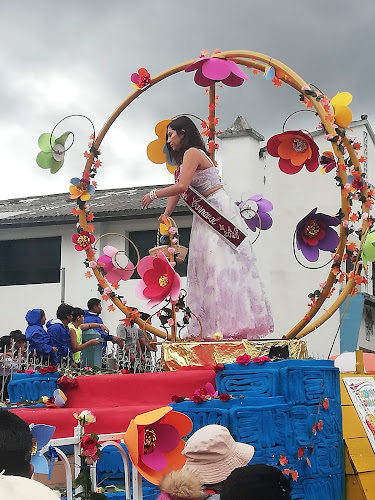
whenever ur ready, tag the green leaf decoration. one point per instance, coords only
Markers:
(46, 160)
(62, 139)
(368, 249)
(44, 142)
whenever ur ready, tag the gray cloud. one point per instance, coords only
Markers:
(76, 57)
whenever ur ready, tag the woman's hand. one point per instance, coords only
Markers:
(162, 218)
(146, 200)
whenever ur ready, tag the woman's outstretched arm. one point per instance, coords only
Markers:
(192, 159)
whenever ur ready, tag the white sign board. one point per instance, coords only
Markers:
(362, 392)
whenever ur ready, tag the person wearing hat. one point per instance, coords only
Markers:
(213, 454)
(259, 481)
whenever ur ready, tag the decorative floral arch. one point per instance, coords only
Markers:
(334, 116)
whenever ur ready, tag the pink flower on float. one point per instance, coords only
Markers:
(170, 322)
(214, 69)
(171, 250)
(261, 359)
(244, 359)
(172, 230)
(159, 280)
(93, 264)
(117, 265)
(107, 290)
(345, 223)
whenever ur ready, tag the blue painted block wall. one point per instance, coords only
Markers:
(274, 408)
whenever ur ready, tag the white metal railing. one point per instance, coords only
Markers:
(13, 360)
(105, 440)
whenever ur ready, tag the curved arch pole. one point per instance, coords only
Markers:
(248, 59)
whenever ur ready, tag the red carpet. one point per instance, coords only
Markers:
(116, 399)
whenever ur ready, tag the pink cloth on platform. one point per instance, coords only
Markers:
(224, 286)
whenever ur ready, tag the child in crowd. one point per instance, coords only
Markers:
(59, 332)
(39, 340)
(94, 308)
(76, 327)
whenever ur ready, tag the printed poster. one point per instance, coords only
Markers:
(362, 392)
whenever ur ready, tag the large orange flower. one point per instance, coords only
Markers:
(156, 149)
(154, 442)
(295, 149)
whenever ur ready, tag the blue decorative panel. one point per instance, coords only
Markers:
(32, 387)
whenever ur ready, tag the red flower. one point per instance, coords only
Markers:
(83, 240)
(244, 359)
(47, 369)
(89, 447)
(124, 371)
(261, 359)
(224, 397)
(295, 149)
(198, 399)
(140, 79)
(326, 403)
(177, 399)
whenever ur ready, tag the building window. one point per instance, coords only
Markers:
(144, 240)
(30, 261)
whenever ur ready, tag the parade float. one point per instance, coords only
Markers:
(268, 393)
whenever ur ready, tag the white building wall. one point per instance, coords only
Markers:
(244, 174)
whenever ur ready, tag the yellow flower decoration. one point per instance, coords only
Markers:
(343, 115)
(165, 226)
(155, 151)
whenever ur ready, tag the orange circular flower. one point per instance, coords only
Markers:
(295, 149)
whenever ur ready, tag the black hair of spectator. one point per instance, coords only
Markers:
(5, 341)
(15, 445)
(17, 336)
(77, 312)
(91, 303)
(63, 311)
(42, 313)
(260, 481)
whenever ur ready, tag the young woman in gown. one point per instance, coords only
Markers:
(224, 287)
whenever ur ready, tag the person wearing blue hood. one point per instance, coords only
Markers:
(94, 308)
(59, 331)
(39, 340)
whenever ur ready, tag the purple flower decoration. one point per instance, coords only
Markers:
(327, 162)
(214, 69)
(258, 218)
(313, 233)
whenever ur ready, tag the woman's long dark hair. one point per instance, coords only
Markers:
(191, 137)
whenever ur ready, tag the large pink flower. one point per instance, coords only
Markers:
(215, 69)
(159, 280)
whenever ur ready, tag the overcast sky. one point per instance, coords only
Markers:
(76, 57)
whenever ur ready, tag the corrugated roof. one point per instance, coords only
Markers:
(107, 204)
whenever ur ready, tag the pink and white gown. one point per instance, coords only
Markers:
(224, 287)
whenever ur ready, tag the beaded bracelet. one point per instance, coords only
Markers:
(153, 195)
